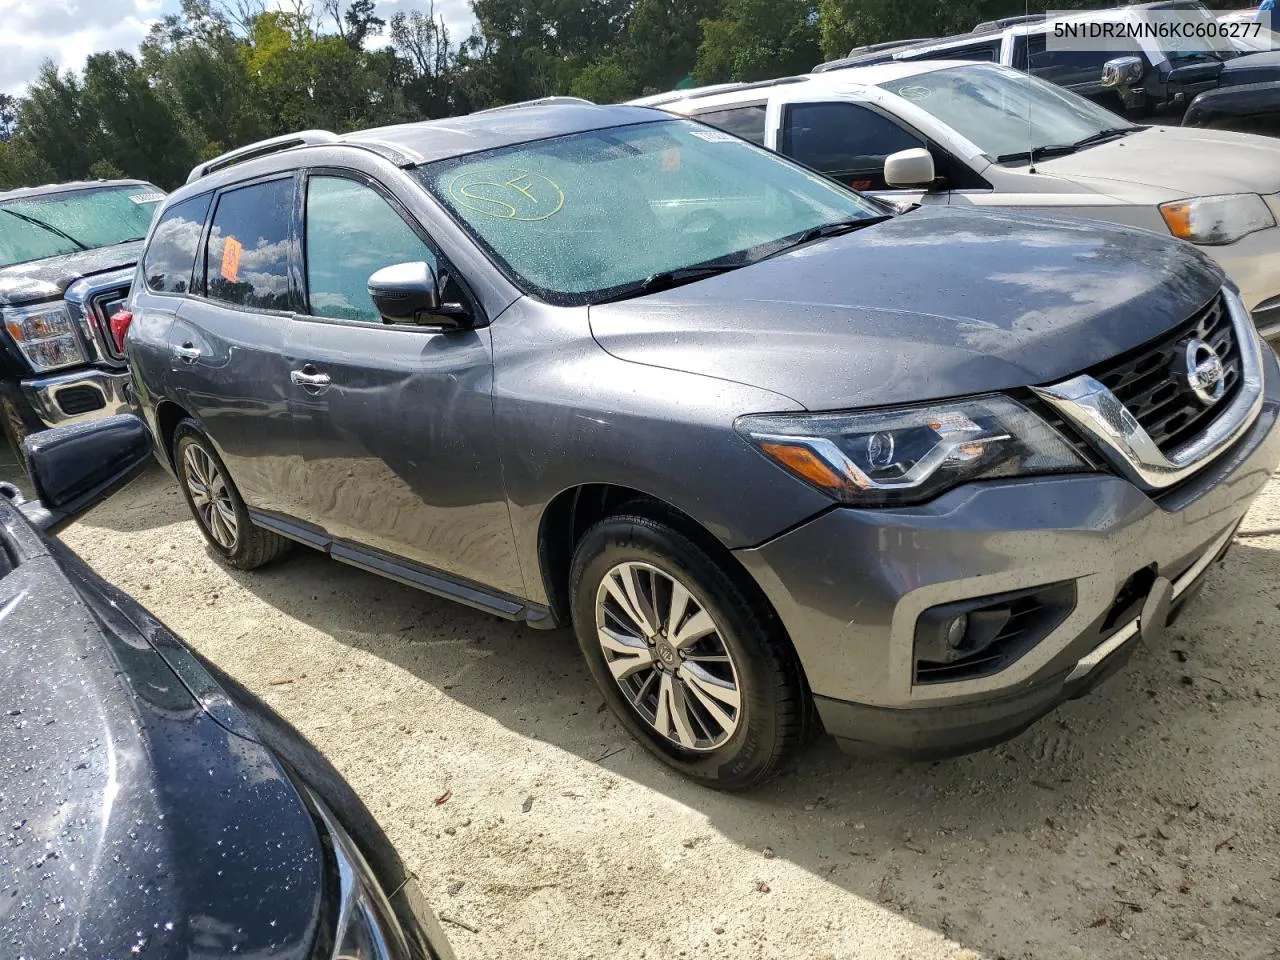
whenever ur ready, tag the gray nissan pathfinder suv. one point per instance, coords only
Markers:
(778, 452)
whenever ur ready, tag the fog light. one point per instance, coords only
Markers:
(956, 630)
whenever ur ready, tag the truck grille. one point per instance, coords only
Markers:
(1163, 404)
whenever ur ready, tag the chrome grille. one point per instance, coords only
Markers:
(1143, 379)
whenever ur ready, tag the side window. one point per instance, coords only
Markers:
(846, 141)
(353, 232)
(247, 259)
(1068, 67)
(171, 255)
(746, 122)
(974, 53)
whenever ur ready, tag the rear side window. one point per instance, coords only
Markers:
(247, 259)
(1069, 66)
(746, 122)
(844, 140)
(171, 255)
(353, 232)
(978, 53)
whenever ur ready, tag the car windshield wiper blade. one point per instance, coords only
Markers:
(671, 278)
(1038, 153)
(45, 226)
(1110, 133)
(838, 227)
(824, 230)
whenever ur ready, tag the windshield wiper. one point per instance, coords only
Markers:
(45, 226)
(671, 278)
(1111, 133)
(824, 230)
(674, 278)
(1039, 153)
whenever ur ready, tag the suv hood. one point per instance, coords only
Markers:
(932, 304)
(1251, 68)
(47, 279)
(136, 823)
(1209, 161)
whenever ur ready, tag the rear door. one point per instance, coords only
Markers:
(394, 423)
(226, 345)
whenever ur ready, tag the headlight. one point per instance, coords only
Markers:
(46, 335)
(911, 454)
(367, 925)
(1213, 220)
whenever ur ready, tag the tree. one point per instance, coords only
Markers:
(9, 106)
(422, 43)
(358, 22)
(757, 40)
(55, 126)
(132, 126)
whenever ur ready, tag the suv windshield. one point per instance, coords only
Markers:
(599, 215)
(1007, 114)
(34, 228)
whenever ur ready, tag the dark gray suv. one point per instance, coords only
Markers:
(768, 445)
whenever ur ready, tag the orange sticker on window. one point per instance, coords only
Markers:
(231, 251)
(671, 159)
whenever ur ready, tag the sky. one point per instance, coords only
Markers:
(68, 31)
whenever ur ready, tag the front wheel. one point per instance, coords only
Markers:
(216, 504)
(688, 655)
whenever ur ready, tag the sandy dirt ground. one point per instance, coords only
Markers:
(1141, 822)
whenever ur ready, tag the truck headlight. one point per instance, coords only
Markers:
(1217, 220)
(46, 335)
(911, 454)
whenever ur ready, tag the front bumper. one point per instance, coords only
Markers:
(851, 584)
(1253, 264)
(85, 394)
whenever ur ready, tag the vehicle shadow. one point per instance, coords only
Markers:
(1027, 849)
(153, 500)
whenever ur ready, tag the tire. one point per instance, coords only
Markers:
(223, 518)
(773, 717)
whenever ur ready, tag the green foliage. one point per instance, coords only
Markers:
(227, 72)
(758, 39)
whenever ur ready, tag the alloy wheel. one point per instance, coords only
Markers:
(210, 495)
(668, 657)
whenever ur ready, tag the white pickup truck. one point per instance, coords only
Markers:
(986, 135)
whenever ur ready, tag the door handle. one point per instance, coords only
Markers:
(189, 352)
(308, 377)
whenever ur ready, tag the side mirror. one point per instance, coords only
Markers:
(410, 293)
(74, 468)
(909, 168)
(1123, 72)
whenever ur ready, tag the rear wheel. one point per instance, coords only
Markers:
(688, 655)
(216, 503)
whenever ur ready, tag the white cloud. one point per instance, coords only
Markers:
(68, 31)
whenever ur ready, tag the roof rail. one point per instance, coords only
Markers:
(738, 87)
(988, 25)
(887, 45)
(539, 102)
(305, 138)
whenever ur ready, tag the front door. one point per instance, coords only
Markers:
(393, 423)
(850, 142)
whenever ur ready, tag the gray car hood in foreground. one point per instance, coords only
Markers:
(934, 303)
